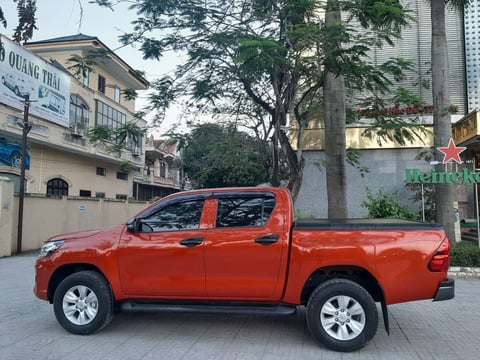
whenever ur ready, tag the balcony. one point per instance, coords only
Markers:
(466, 131)
(164, 181)
(160, 181)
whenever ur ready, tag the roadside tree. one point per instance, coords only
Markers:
(276, 54)
(221, 156)
(441, 100)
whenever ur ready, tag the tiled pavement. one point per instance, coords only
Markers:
(420, 330)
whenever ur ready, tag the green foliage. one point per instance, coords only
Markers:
(353, 158)
(80, 65)
(100, 133)
(384, 205)
(270, 56)
(299, 215)
(396, 129)
(465, 254)
(125, 165)
(3, 21)
(26, 20)
(115, 149)
(129, 94)
(117, 139)
(26, 10)
(222, 156)
(428, 198)
(83, 64)
(129, 131)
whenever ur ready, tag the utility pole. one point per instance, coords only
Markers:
(26, 129)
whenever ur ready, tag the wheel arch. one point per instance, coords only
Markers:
(357, 274)
(66, 270)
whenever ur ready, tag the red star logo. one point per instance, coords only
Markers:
(452, 152)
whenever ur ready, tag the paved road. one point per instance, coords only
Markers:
(421, 330)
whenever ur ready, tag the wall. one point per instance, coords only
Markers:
(79, 172)
(415, 45)
(45, 217)
(386, 170)
(62, 58)
(6, 214)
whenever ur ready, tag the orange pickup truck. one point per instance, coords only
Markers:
(240, 251)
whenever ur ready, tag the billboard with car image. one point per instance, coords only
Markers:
(24, 73)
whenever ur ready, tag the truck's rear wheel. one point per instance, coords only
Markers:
(83, 303)
(342, 315)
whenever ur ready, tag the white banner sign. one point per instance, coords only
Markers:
(23, 73)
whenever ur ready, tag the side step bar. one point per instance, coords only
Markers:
(209, 308)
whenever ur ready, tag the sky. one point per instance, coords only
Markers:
(56, 18)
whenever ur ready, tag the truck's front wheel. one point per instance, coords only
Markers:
(83, 303)
(342, 315)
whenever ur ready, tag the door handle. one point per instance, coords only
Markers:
(192, 242)
(267, 240)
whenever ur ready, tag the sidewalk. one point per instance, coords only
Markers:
(420, 330)
(459, 272)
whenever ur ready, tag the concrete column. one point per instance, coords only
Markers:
(6, 216)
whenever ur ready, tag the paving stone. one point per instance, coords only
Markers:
(421, 330)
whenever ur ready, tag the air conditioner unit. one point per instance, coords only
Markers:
(76, 131)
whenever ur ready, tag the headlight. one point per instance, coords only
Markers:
(50, 247)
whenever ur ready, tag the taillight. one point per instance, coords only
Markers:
(441, 259)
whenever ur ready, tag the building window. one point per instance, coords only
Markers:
(100, 195)
(57, 187)
(121, 197)
(79, 114)
(101, 84)
(86, 77)
(163, 170)
(117, 94)
(101, 171)
(134, 143)
(85, 193)
(110, 117)
(122, 175)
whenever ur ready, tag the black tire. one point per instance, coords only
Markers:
(342, 315)
(83, 303)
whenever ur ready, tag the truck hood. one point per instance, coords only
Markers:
(77, 235)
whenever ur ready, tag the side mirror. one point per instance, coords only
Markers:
(133, 225)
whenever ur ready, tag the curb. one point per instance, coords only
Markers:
(459, 272)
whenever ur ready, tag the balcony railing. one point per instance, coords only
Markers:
(163, 181)
(158, 180)
(73, 139)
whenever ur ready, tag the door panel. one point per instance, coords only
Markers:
(164, 254)
(158, 264)
(247, 259)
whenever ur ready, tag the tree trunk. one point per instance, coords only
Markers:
(295, 164)
(335, 147)
(275, 176)
(441, 118)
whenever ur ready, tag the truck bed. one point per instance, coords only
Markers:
(364, 224)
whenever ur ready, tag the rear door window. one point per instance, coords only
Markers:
(244, 211)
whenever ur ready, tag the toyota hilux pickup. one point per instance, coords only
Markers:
(240, 251)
